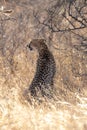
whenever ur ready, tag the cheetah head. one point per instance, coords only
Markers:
(37, 44)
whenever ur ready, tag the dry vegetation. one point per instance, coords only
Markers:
(67, 39)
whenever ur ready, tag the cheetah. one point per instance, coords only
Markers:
(45, 69)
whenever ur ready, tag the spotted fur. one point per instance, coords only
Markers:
(45, 69)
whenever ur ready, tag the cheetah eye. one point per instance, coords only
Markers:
(30, 47)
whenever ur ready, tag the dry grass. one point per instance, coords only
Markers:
(69, 111)
(15, 115)
(17, 68)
